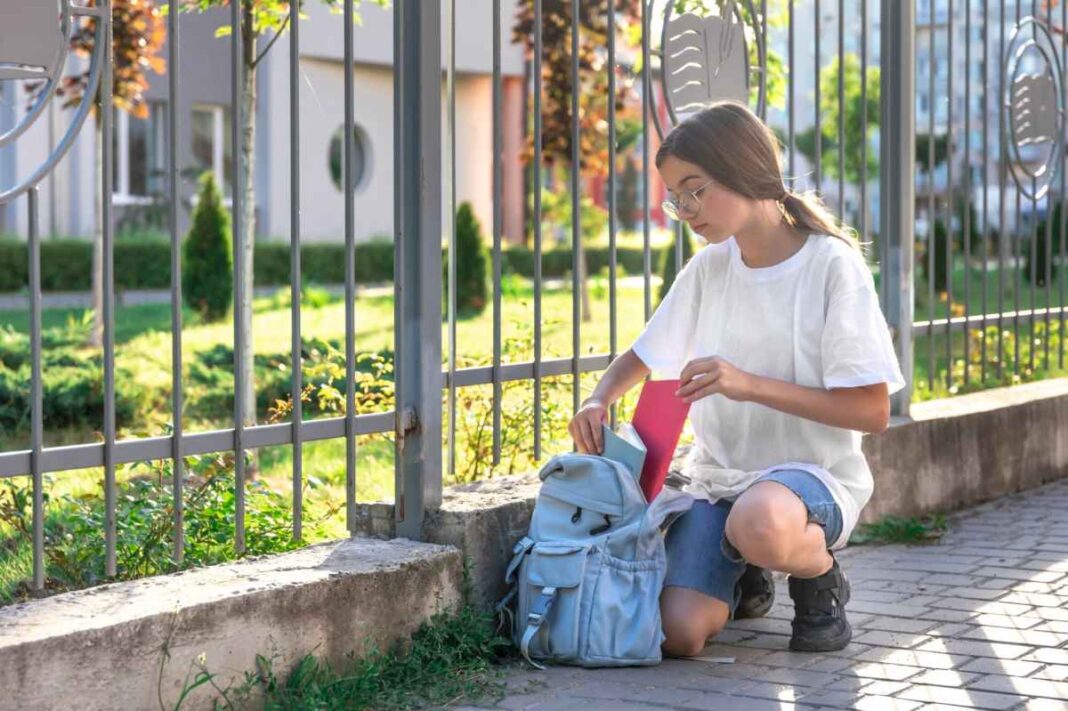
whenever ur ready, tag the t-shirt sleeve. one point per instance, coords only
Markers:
(666, 344)
(856, 345)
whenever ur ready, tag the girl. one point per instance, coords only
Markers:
(775, 333)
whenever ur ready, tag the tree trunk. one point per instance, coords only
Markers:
(96, 335)
(248, 213)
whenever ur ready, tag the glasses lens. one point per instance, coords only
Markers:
(687, 205)
(670, 209)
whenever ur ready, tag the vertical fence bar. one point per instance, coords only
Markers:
(177, 467)
(449, 174)
(613, 334)
(108, 285)
(36, 392)
(841, 110)
(498, 208)
(576, 235)
(816, 103)
(240, 376)
(896, 179)
(1016, 247)
(417, 268)
(1064, 194)
(1048, 237)
(951, 208)
(350, 276)
(931, 207)
(762, 56)
(864, 151)
(297, 374)
(986, 198)
(538, 50)
(647, 90)
(791, 137)
(177, 406)
(1033, 252)
(1002, 227)
(967, 228)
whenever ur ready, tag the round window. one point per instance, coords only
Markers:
(359, 156)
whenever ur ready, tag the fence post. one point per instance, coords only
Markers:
(417, 260)
(897, 171)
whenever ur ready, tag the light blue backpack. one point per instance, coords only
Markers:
(587, 576)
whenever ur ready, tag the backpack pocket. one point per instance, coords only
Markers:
(550, 596)
(624, 623)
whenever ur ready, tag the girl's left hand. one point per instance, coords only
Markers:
(706, 376)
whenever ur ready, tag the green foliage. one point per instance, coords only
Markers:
(667, 263)
(856, 136)
(976, 245)
(894, 529)
(924, 147)
(556, 211)
(472, 258)
(72, 382)
(1037, 250)
(74, 527)
(207, 258)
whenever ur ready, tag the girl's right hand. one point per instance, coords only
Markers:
(585, 427)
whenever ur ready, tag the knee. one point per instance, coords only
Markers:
(760, 536)
(687, 635)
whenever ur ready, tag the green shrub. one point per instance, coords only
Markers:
(471, 260)
(207, 266)
(667, 263)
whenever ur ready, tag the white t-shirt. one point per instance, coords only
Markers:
(812, 319)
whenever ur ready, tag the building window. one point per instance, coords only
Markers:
(360, 157)
(212, 145)
(140, 154)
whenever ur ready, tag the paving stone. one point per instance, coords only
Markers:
(1017, 622)
(1012, 636)
(891, 639)
(949, 629)
(973, 593)
(913, 657)
(830, 697)
(1047, 656)
(1053, 672)
(1018, 574)
(893, 624)
(713, 701)
(884, 703)
(944, 677)
(981, 606)
(1026, 686)
(1010, 667)
(961, 697)
(1045, 705)
(883, 670)
(975, 648)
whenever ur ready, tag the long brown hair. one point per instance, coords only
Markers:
(742, 154)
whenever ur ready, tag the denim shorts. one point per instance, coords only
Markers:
(700, 557)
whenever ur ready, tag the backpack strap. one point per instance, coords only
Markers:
(519, 551)
(538, 612)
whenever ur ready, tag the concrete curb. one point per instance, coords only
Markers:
(133, 644)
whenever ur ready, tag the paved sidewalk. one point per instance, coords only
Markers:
(977, 620)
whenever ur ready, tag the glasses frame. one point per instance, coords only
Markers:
(673, 209)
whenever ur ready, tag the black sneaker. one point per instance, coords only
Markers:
(820, 623)
(758, 593)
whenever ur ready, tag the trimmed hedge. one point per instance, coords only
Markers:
(66, 263)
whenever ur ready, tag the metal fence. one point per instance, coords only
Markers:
(425, 173)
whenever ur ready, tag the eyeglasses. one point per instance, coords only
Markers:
(686, 205)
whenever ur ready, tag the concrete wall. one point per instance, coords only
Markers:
(133, 645)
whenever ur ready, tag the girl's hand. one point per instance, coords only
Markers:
(705, 376)
(585, 427)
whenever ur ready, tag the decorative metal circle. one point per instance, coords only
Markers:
(1033, 107)
(705, 57)
(35, 38)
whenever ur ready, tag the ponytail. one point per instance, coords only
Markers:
(807, 213)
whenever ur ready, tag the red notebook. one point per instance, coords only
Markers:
(658, 418)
